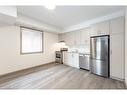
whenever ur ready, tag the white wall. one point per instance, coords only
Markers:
(10, 58)
(126, 45)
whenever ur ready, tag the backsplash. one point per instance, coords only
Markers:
(80, 49)
(74, 48)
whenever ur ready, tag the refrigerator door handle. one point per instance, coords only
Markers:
(111, 52)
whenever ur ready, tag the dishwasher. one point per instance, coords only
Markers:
(84, 61)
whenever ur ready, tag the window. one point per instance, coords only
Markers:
(31, 41)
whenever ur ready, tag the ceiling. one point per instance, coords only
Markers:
(66, 16)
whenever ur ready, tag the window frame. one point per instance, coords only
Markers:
(22, 27)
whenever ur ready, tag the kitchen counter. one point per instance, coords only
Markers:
(71, 58)
(86, 53)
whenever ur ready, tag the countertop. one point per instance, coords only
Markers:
(86, 53)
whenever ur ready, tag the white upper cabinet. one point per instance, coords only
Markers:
(70, 38)
(60, 37)
(100, 29)
(85, 36)
(94, 30)
(80, 37)
(117, 25)
(117, 48)
(77, 37)
(103, 28)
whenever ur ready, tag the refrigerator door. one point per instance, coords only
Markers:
(99, 48)
(99, 55)
(100, 67)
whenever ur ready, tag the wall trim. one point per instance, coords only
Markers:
(3, 75)
(93, 21)
(36, 24)
(112, 77)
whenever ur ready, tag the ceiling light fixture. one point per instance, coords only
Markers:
(50, 6)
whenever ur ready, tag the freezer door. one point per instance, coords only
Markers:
(100, 67)
(99, 48)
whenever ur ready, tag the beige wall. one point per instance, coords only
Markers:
(126, 45)
(10, 58)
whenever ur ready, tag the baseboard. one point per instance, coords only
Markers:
(112, 77)
(25, 69)
(125, 84)
(71, 65)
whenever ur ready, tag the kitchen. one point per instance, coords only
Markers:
(78, 44)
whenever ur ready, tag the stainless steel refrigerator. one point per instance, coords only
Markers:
(99, 55)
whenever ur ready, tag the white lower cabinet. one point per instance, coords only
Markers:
(71, 59)
(65, 57)
(75, 60)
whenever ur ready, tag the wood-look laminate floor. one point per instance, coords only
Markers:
(57, 76)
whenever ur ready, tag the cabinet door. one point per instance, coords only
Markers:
(117, 56)
(70, 38)
(65, 57)
(85, 36)
(69, 59)
(100, 29)
(75, 60)
(64, 37)
(60, 37)
(77, 37)
(103, 28)
(117, 25)
(94, 30)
